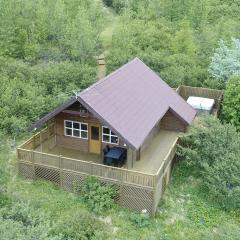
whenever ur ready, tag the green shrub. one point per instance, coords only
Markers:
(21, 221)
(231, 104)
(212, 151)
(140, 219)
(80, 226)
(98, 197)
(24, 214)
(108, 3)
(5, 200)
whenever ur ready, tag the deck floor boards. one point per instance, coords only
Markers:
(150, 160)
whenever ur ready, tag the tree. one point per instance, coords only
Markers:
(231, 104)
(212, 151)
(226, 60)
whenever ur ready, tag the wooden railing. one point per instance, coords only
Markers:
(38, 138)
(217, 95)
(169, 157)
(79, 166)
(27, 153)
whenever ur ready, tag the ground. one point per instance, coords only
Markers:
(184, 213)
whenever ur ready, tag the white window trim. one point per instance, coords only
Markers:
(110, 135)
(72, 128)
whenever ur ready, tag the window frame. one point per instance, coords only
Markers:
(72, 129)
(110, 134)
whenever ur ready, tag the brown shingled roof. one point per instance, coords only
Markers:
(132, 100)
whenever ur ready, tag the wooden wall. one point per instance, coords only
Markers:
(151, 136)
(172, 122)
(78, 143)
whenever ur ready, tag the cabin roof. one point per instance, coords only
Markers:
(132, 100)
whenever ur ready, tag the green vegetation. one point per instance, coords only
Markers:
(48, 52)
(97, 196)
(231, 106)
(212, 151)
(226, 60)
(140, 219)
(40, 210)
(175, 38)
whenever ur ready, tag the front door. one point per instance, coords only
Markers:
(94, 141)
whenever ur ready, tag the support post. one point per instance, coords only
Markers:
(61, 170)
(48, 136)
(33, 165)
(41, 141)
(129, 158)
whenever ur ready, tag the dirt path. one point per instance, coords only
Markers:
(106, 39)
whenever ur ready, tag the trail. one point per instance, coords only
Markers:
(106, 40)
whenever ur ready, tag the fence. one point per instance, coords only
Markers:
(61, 163)
(217, 95)
(138, 190)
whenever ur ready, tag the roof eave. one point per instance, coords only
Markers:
(49, 116)
(99, 117)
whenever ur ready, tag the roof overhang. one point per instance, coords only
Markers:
(38, 124)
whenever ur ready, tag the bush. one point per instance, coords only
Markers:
(231, 105)
(80, 226)
(98, 197)
(20, 221)
(212, 151)
(140, 219)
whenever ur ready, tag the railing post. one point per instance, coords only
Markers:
(18, 162)
(33, 165)
(60, 170)
(34, 141)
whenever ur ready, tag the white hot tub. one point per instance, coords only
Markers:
(202, 105)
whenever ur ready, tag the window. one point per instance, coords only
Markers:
(76, 129)
(108, 136)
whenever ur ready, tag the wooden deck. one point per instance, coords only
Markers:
(70, 153)
(140, 187)
(150, 161)
(153, 156)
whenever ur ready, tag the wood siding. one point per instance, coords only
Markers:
(151, 136)
(172, 122)
(78, 143)
(71, 142)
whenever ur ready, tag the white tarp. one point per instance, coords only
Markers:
(200, 103)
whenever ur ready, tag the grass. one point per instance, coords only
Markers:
(184, 213)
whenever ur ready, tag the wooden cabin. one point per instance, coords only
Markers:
(131, 110)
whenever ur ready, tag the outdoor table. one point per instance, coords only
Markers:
(116, 155)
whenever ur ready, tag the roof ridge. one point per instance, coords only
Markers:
(174, 92)
(109, 75)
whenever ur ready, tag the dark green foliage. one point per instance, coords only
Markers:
(97, 196)
(20, 221)
(80, 226)
(175, 38)
(231, 104)
(212, 151)
(47, 51)
(108, 3)
(34, 30)
(140, 219)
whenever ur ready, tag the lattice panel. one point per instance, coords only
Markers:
(136, 198)
(26, 170)
(158, 193)
(71, 180)
(47, 174)
(117, 186)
